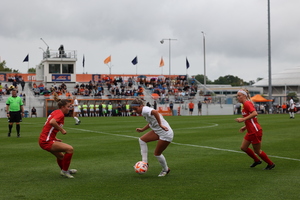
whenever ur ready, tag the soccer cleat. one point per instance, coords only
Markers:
(269, 167)
(66, 174)
(164, 173)
(256, 163)
(72, 171)
(8, 134)
(79, 122)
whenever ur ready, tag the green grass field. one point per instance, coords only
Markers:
(205, 161)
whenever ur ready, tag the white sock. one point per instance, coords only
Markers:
(144, 150)
(77, 120)
(162, 160)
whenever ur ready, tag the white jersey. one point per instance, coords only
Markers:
(292, 105)
(163, 135)
(75, 104)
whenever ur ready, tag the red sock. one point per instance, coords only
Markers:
(265, 158)
(60, 163)
(67, 161)
(251, 153)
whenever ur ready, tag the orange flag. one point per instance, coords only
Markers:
(161, 62)
(107, 60)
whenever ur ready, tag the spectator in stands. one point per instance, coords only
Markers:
(36, 91)
(22, 84)
(55, 86)
(33, 112)
(41, 87)
(82, 85)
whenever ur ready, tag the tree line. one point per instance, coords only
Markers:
(226, 80)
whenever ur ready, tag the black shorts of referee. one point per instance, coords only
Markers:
(15, 117)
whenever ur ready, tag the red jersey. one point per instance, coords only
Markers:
(49, 132)
(252, 124)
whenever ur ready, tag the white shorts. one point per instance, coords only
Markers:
(165, 135)
(76, 109)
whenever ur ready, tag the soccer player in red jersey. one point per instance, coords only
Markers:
(48, 141)
(254, 131)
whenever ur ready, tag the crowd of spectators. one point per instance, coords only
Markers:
(179, 87)
(40, 89)
(117, 88)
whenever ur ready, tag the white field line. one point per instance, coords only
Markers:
(181, 144)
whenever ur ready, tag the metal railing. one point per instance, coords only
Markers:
(72, 54)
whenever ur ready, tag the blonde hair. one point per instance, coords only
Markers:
(243, 91)
(60, 102)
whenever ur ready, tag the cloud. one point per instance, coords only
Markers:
(235, 33)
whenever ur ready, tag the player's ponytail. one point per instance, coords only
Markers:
(137, 101)
(60, 102)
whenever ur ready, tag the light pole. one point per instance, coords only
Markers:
(162, 41)
(204, 62)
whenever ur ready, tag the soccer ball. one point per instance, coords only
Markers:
(140, 167)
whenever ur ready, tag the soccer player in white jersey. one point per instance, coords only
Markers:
(76, 110)
(292, 108)
(161, 132)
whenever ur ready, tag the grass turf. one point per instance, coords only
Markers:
(205, 161)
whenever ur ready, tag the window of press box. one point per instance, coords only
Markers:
(67, 68)
(54, 68)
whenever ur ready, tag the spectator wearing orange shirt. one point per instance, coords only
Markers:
(284, 107)
(191, 107)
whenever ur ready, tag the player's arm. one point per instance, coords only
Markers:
(142, 129)
(155, 113)
(56, 126)
(252, 115)
(242, 129)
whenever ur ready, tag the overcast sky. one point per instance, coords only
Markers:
(236, 35)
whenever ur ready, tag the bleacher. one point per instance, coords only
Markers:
(181, 92)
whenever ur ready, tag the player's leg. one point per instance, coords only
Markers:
(245, 147)
(148, 137)
(66, 161)
(263, 155)
(160, 147)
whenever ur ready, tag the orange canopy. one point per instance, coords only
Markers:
(259, 98)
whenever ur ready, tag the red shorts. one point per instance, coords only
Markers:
(254, 138)
(46, 145)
